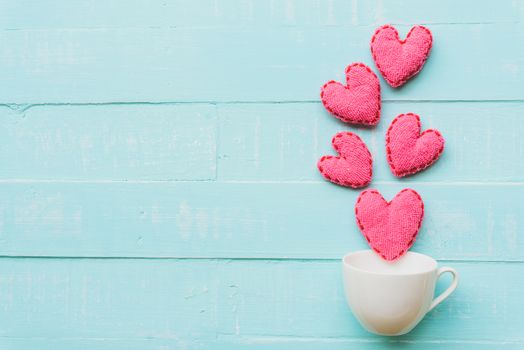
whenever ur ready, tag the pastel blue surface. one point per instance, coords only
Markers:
(158, 178)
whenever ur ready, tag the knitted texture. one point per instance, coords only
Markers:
(399, 60)
(357, 102)
(389, 227)
(408, 151)
(353, 168)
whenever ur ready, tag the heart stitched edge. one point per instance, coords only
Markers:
(337, 181)
(413, 237)
(401, 82)
(375, 119)
(415, 169)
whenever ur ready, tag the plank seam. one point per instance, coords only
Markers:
(233, 259)
(23, 107)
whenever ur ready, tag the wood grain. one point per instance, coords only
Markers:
(238, 342)
(26, 14)
(158, 181)
(245, 220)
(117, 142)
(184, 300)
(228, 64)
(283, 142)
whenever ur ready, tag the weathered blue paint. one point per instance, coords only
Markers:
(158, 187)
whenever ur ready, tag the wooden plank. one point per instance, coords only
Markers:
(304, 343)
(245, 220)
(283, 142)
(99, 160)
(226, 64)
(198, 300)
(114, 142)
(410, 12)
(27, 14)
(239, 342)
(259, 142)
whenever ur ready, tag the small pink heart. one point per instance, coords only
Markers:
(358, 101)
(354, 166)
(399, 60)
(390, 227)
(408, 151)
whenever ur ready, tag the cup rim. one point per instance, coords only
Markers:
(367, 251)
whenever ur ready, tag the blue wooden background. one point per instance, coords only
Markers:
(158, 187)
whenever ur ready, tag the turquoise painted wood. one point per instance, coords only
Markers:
(158, 187)
(149, 64)
(117, 142)
(245, 220)
(235, 343)
(83, 14)
(283, 142)
(187, 299)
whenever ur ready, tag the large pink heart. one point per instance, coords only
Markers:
(409, 151)
(358, 102)
(390, 227)
(399, 60)
(354, 166)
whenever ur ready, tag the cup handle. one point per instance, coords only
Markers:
(451, 288)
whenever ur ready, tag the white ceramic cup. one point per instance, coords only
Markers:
(390, 298)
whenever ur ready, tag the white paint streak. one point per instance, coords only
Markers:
(511, 232)
(331, 19)
(379, 13)
(489, 230)
(354, 12)
(256, 143)
(184, 220)
(202, 222)
(290, 11)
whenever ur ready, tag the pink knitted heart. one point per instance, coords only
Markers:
(354, 166)
(409, 151)
(390, 227)
(359, 101)
(399, 60)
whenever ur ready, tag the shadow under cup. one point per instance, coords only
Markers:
(390, 298)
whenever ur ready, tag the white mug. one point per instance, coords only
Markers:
(390, 298)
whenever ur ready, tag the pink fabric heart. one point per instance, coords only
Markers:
(399, 60)
(354, 166)
(390, 227)
(408, 151)
(357, 102)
